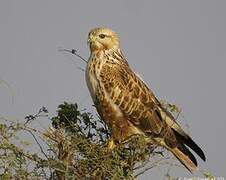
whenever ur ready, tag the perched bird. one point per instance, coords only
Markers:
(127, 105)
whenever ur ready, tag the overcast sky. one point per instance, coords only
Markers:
(178, 47)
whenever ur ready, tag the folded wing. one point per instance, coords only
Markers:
(140, 106)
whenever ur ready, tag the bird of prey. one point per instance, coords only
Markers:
(127, 105)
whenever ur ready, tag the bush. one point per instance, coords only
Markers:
(74, 147)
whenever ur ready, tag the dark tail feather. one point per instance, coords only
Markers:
(186, 151)
(191, 144)
(185, 157)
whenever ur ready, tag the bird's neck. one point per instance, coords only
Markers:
(112, 55)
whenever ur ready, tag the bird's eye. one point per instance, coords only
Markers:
(102, 36)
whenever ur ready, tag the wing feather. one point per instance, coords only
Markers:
(138, 103)
(133, 97)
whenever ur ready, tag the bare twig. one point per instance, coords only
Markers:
(159, 162)
(73, 51)
(38, 114)
(36, 140)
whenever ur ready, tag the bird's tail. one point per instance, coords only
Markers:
(184, 141)
(185, 157)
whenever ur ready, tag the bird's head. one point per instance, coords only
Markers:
(102, 39)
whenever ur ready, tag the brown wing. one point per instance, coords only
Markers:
(140, 106)
(133, 97)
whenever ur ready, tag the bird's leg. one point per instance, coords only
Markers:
(111, 144)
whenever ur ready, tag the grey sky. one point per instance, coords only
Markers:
(178, 47)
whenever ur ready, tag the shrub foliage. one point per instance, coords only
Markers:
(73, 147)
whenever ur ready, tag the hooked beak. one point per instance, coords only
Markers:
(88, 41)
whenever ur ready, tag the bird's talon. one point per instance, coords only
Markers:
(111, 145)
